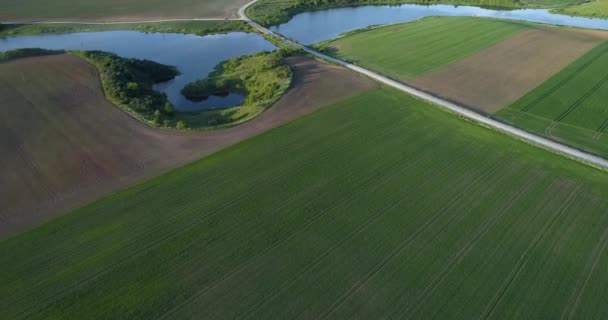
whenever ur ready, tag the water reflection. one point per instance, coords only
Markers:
(315, 26)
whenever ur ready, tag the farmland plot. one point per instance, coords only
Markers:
(378, 206)
(64, 145)
(404, 51)
(484, 64)
(497, 76)
(572, 106)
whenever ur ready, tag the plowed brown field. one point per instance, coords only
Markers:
(496, 76)
(63, 144)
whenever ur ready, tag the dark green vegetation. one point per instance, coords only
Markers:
(261, 77)
(270, 12)
(379, 206)
(116, 10)
(406, 50)
(570, 107)
(129, 84)
(188, 27)
(27, 52)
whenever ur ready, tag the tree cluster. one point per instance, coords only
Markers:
(130, 82)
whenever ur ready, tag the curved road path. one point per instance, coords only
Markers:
(460, 110)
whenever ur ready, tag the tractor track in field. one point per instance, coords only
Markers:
(524, 258)
(600, 130)
(582, 99)
(409, 240)
(564, 81)
(224, 180)
(481, 232)
(574, 106)
(588, 270)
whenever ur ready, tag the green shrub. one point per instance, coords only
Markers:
(181, 125)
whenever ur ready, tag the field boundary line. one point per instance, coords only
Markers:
(196, 221)
(582, 99)
(564, 81)
(77, 250)
(524, 258)
(534, 139)
(308, 162)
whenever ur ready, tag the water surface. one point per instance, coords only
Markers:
(315, 26)
(194, 56)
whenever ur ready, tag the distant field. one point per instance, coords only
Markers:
(485, 64)
(116, 10)
(594, 8)
(406, 50)
(497, 76)
(64, 145)
(380, 206)
(571, 106)
(190, 27)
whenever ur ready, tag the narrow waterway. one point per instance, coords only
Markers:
(194, 56)
(315, 26)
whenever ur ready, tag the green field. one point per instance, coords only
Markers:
(571, 106)
(28, 10)
(407, 50)
(594, 8)
(189, 27)
(378, 206)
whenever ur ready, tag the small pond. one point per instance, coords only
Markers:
(315, 26)
(194, 56)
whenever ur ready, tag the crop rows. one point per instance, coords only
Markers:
(404, 51)
(571, 106)
(564, 81)
(378, 206)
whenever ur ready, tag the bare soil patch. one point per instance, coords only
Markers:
(64, 145)
(498, 75)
